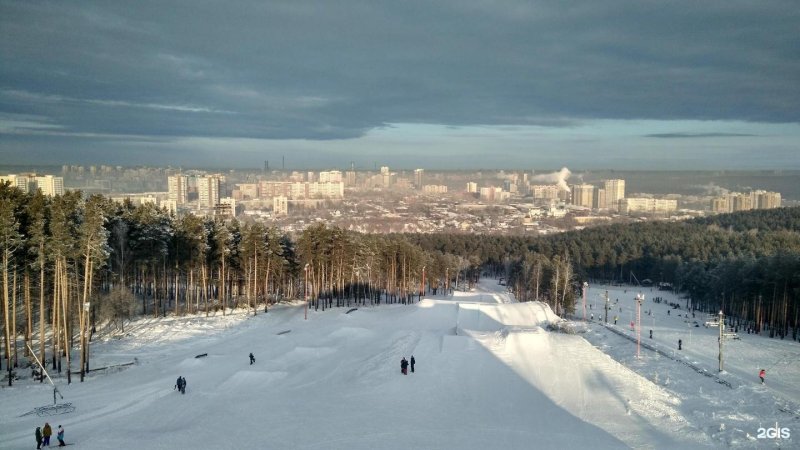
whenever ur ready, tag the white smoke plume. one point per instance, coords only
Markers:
(560, 178)
(713, 189)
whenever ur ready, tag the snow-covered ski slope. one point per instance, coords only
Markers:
(488, 375)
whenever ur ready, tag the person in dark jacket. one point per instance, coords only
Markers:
(404, 366)
(413, 361)
(183, 385)
(38, 438)
(252, 358)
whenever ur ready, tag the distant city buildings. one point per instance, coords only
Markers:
(434, 189)
(208, 190)
(615, 191)
(646, 205)
(49, 185)
(419, 175)
(280, 205)
(736, 201)
(583, 195)
(333, 176)
(178, 188)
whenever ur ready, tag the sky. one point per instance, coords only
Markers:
(452, 84)
(488, 374)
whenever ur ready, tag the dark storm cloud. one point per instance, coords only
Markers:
(337, 69)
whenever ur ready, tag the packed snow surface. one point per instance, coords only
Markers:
(488, 375)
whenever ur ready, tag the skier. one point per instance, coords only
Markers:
(615, 319)
(412, 363)
(252, 358)
(183, 385)
(38, 438)
(60, 437)
(762, 374)
(46, 433)
(178, 384)
(651, 334)
(404, 366)
(680, 344)
(591, 317)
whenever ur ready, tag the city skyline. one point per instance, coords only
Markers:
(453, 85)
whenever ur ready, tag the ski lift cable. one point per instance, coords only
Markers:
(44, 371)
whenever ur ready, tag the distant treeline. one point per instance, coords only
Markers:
(745, 263)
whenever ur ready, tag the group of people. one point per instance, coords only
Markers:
(404, 365)
(43, 436)
(180, 385)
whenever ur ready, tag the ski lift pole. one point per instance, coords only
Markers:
(41, 366)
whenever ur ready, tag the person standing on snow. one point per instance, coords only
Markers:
(762, 374)
(183, 385)
(404, 366)
(413, 361)
(60, 437)
(38, 438)
(252, 358)
(46, 433)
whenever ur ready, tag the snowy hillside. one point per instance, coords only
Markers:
(487, 375)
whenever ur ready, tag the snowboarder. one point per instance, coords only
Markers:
(60, 437)
(38, 438)
(46, 433)
(252, 358)
(680, 344)
(404, 366)
(762, 374)
(412, 363)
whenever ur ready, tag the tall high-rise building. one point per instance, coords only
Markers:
(472, 187)
(600, 199)
(720, 205)
(766, 200)
(50, 185)
(280, 205)
(18, 181)
(583, 195)
(740, 202)
(418, 178)
(177, 187)
(615, 191)
(333, 176)
(386, 177)
(350, 178)
(208, 191)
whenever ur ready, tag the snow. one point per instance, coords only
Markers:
(488, 375)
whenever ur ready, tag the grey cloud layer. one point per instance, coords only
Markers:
(336, 69)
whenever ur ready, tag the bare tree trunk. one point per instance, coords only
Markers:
(205, 286)
(14, 320)
(28, 314)
(7, 322)
(41, 318)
